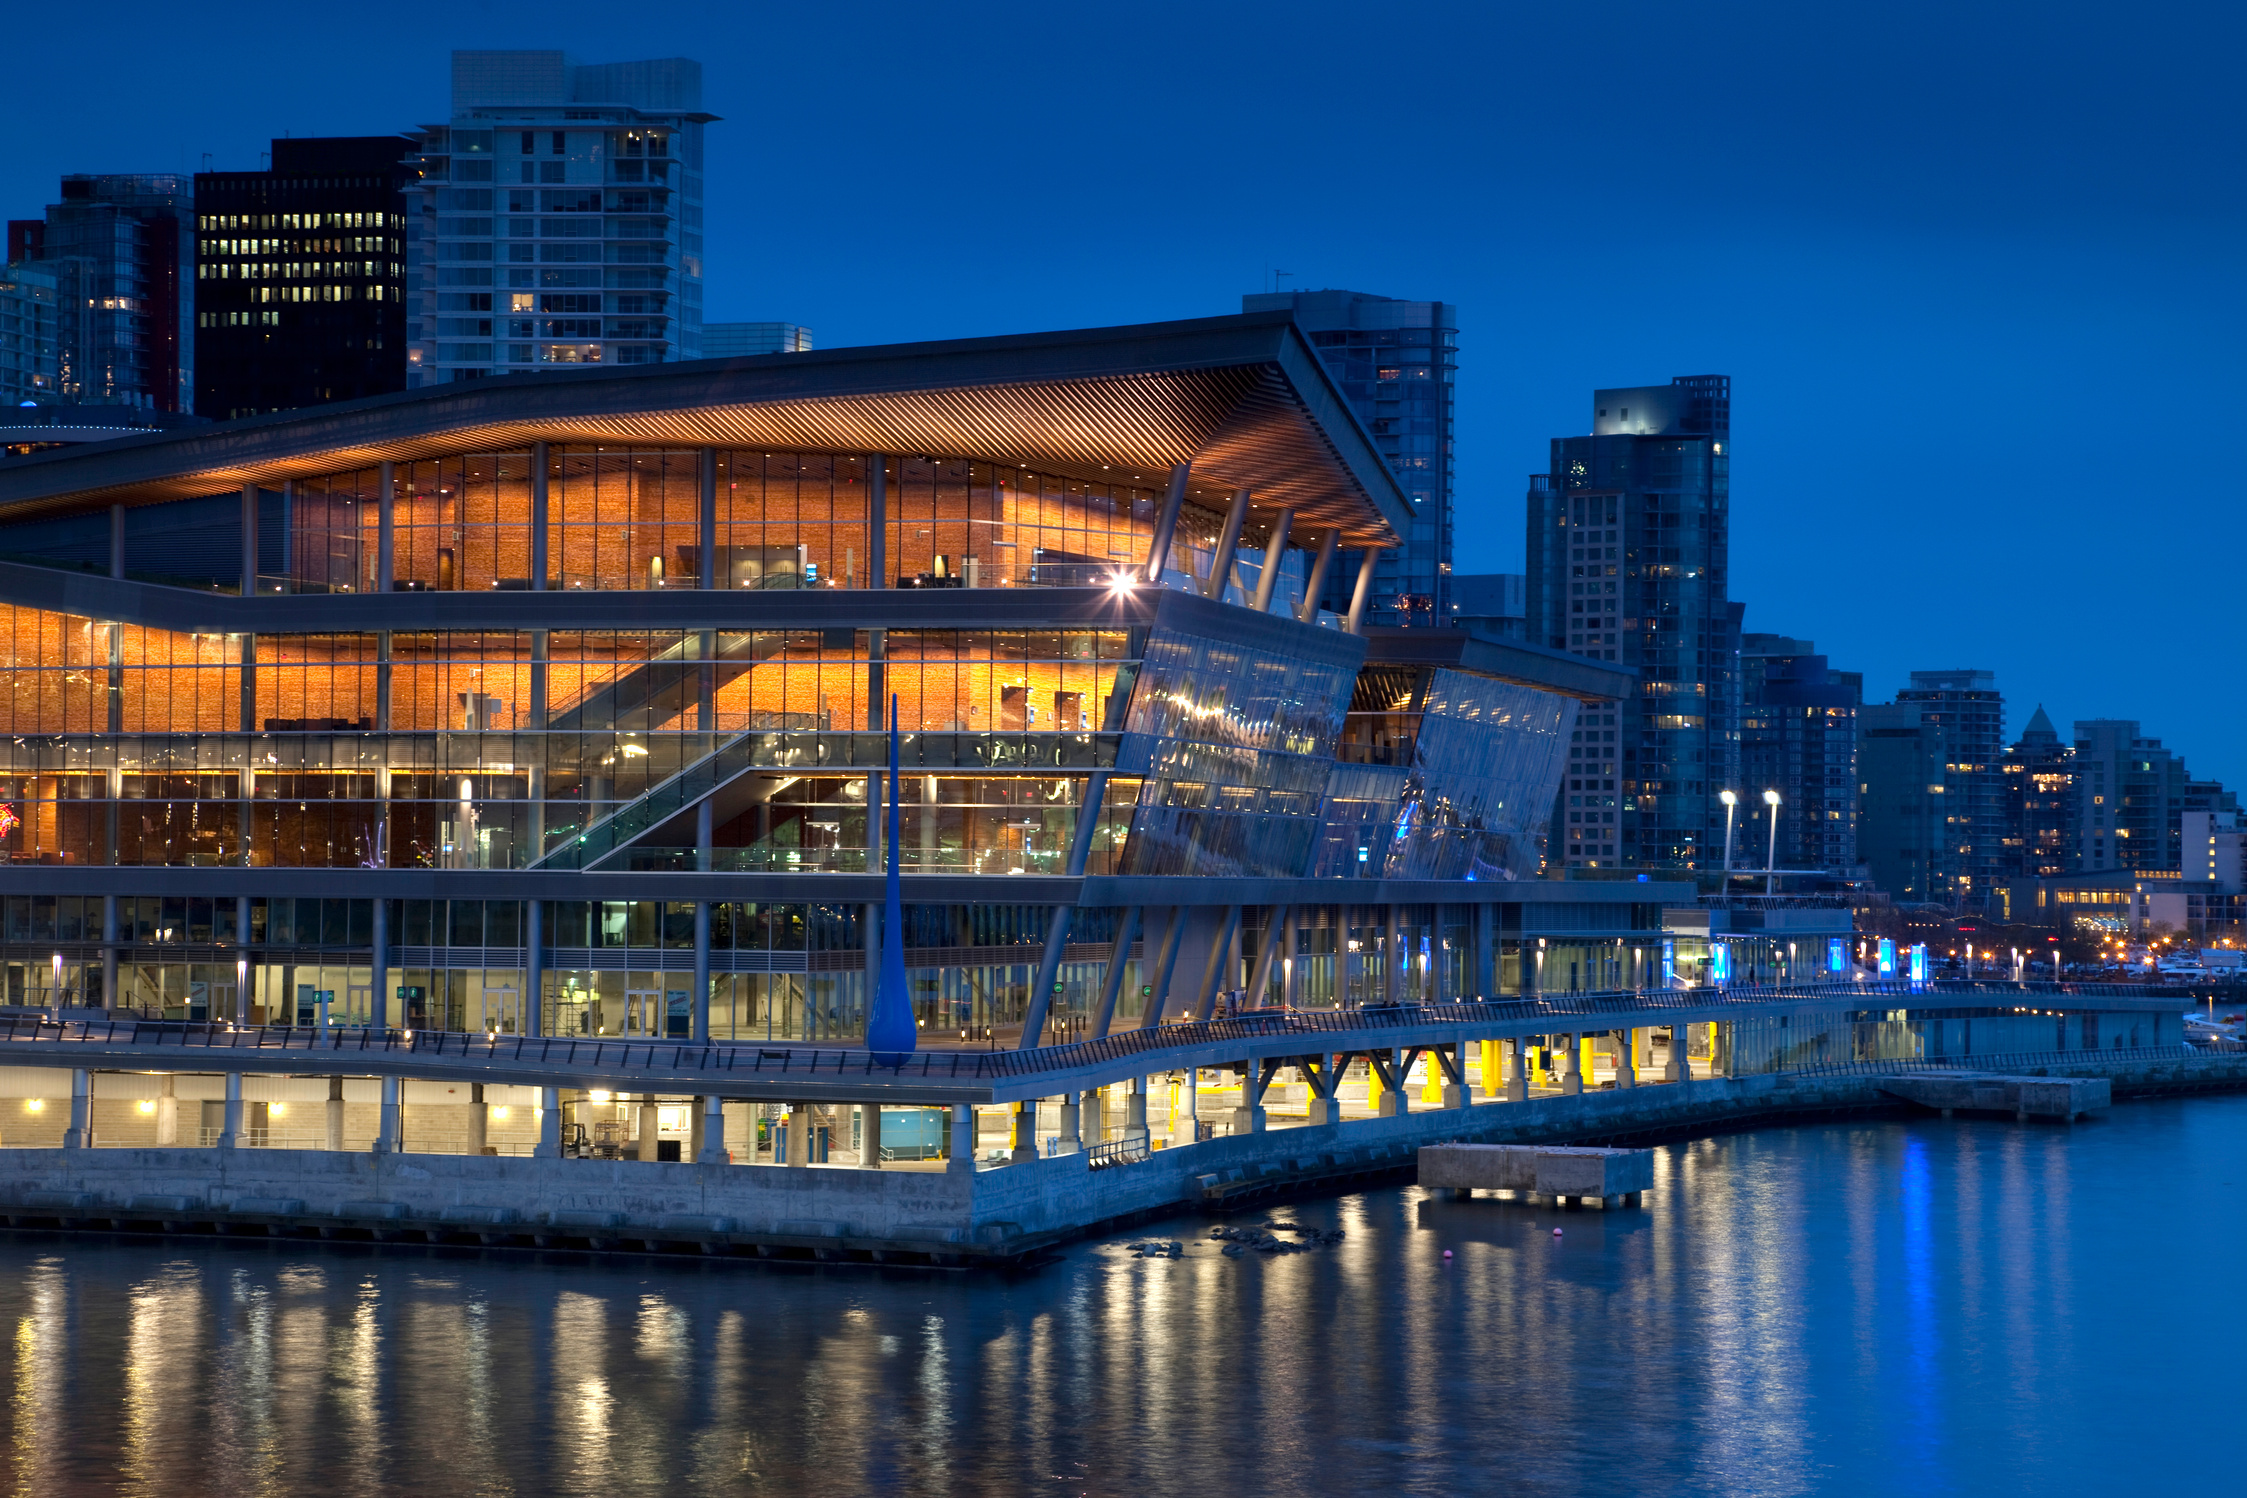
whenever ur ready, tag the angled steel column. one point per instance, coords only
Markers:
(1228, 542)
(1358, 595)
(1268, 946)
(1158, 991)
(1166, 525)
(116, 540)
(1214, 970)
(1063, 916)
(1275, 548)
(1049, 967)
(1315, 584)
(1111, 986)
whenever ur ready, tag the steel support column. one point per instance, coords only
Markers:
(1355, 625)
(1315, 584)
(1275, 551)
(1111, 983)
(1228, 542)
(1166, 524)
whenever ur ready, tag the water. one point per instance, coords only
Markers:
(1918, 1308)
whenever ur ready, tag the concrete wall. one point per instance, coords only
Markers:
(930, 1205)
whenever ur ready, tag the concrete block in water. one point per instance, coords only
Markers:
(1548, 1170)
(483, 1217)
(2028, 1097)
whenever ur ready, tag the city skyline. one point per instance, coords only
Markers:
(1966, 260)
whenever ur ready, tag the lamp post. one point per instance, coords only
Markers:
(1730, 801)
(1771, 857)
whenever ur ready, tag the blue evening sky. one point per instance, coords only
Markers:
(1973, 268)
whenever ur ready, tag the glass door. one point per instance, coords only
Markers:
(502, 1012)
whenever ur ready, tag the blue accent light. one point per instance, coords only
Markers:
(890, 1032)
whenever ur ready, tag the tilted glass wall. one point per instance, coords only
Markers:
(1235, 744)
(1446, 775)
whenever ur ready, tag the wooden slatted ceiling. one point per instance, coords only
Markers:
(1242, 424)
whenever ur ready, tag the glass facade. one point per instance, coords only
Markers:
(707, 764)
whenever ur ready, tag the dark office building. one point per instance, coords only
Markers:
(119, 248)
(1628, 540)
(1932, 766)
(1798, 736)
(300, 277)
(1396, 362)
(2039, 803)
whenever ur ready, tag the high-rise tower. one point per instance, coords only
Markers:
(1627, 562)
(559, 217)
(121, 249)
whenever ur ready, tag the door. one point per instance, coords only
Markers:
(503, 1013)
(643, 1009)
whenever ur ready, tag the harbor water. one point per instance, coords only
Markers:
(1877, 1306)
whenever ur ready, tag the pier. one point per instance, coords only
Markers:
(1087, 1135)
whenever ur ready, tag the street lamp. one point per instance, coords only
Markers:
(1730, 801)
(1771, 858)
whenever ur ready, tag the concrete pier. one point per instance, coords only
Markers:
(958, 1215)
(2063, 1098)
(1559, 1171)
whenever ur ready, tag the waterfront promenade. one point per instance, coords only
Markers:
(429, 1136)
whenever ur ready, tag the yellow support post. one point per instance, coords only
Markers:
(1372, 1087)
(1431, 1079)
(1536, 1066)
(1586, 1055)
(1490, 1064)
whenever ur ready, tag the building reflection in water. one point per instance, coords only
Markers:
(1792, 1308)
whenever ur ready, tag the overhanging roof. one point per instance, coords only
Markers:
(1507, 660)
(1244, 398)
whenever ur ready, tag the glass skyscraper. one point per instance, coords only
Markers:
(1396, 363)
(559, 218)
(119, 248)
(1627, 562)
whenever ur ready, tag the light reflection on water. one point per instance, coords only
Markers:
(1886, 1308)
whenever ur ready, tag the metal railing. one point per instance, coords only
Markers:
(2007, 1061)
(1118, 1152)
(769, 1063)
